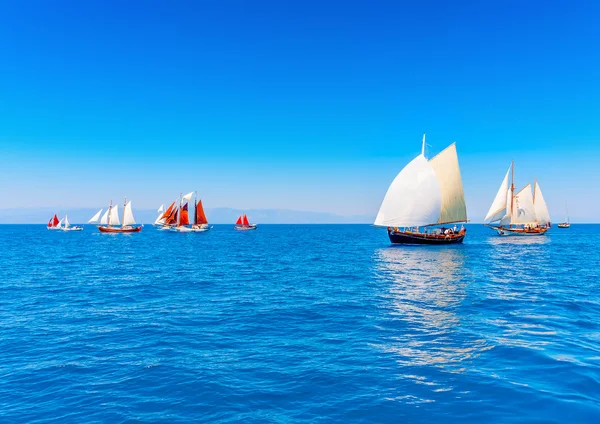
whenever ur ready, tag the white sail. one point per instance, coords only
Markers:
(523, 208)
(66, 222)
(128, 215)
(60, 223)
(161, 209)
(104, 220)
(95, 218)
(114, 215)
(447, 170)
(499, 206)
(160, 220)
(541, 210)
(187, 197)
(413, 199)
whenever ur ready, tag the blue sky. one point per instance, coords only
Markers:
(308, 105)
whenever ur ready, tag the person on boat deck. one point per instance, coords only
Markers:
(455, 228)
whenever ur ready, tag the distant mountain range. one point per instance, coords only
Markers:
(215, 216)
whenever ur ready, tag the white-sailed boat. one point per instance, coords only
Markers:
(160, 220)
(424, 197)
(110, 223)
(68, 227)
(524, 213)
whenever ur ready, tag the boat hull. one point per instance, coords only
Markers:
(120, 229)
(245, 227)
(409, 237)
(191, 229)
(564, 225)
(72, 229)
(507, 232)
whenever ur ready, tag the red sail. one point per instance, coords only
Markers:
(54, 221)
(200, 216)
(245, 222)
(168, 212)
(50, 223)
(185, 216)
(239, 221)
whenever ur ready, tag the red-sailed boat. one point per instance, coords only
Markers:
(242, 224)
(54, 223)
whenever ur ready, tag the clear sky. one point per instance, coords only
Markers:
(307, 105)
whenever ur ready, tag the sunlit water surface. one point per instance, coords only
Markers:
(323, 323)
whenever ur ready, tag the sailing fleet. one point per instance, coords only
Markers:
(424, 204)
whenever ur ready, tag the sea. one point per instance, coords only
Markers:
(298, 324)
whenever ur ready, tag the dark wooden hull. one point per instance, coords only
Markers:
(400, 237)
(120, 229)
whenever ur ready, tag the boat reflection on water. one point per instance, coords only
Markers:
(423, 317)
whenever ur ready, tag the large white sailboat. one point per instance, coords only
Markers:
(425, 196)
(110, 223)
(522, 213)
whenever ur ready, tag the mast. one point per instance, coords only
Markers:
(423, 146)
(179, 214)
(108, 216)
(124, 207)
(512, 190)
(196, 208)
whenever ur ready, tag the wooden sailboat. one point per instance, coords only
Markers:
(54, 223)
(168, 218)
(182, 215)
(242, 224)
(524, 213)
(109, 223)
(424, 197)
(200, 221)
(565, 224)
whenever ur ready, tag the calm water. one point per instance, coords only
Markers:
(298, 324)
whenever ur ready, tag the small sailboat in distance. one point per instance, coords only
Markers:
(524, 213)
(565, 224)
(242, 224)
(68, 227)
(109, 223)
(200, 222)
(425, 194)
(53, 224)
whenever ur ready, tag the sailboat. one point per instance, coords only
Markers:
(54, 223)
(160, 220)
(183, 216)
(523, 213)
(200, 222)
(425, 196)
(242, 224)
(168, 218)
(67, 226)
(109, 223)
(565, 224)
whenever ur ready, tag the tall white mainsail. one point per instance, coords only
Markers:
(501, 204)
(95, 218)
(104, 220)
(540, 207)
(447, 170)
(413, 199)
(114, 215)
(60, 223)
(128, 215)
(523, 208)
(66, 222)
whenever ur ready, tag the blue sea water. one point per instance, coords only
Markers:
(314, 323)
